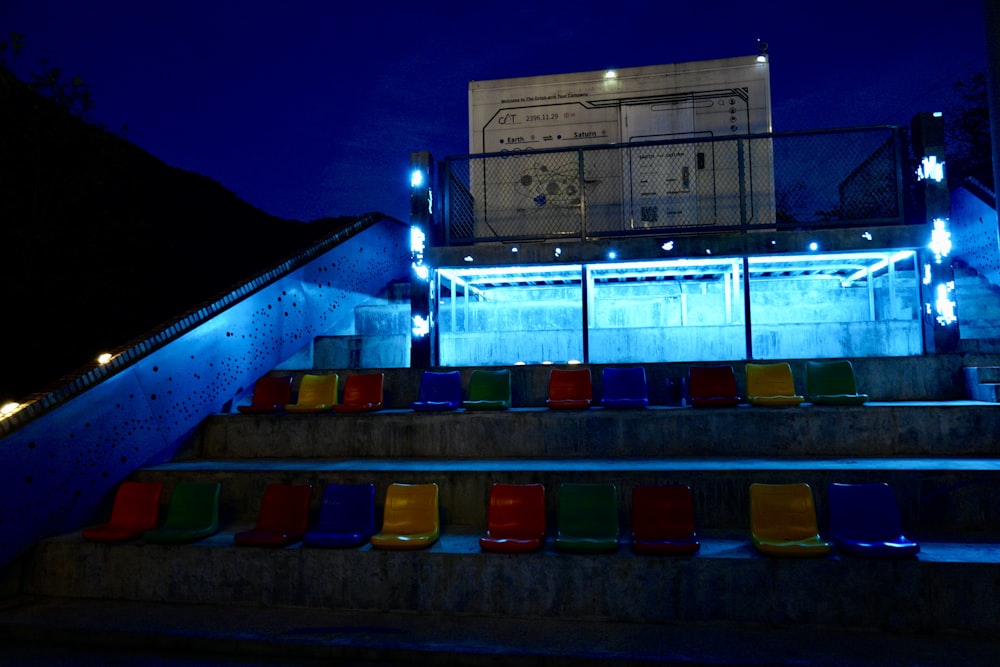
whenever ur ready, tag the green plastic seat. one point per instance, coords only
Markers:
(489, 390)
(192, 514)
(783, 521)
(588, 518)
(832, 383)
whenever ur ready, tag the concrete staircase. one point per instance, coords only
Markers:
(453, 604)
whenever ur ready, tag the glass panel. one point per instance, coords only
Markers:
(662, 311)
(508, 315)
(835, 305)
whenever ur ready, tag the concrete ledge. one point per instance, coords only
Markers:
(948, 587)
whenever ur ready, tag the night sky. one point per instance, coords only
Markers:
(310, 109)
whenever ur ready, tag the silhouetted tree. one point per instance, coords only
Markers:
(967, 133)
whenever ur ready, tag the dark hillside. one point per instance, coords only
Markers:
(102, 242)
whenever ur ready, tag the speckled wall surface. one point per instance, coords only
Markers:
(58, 468)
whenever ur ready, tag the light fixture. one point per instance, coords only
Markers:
(104, 358)
(762, 47)
(8, 409)
(867, 236)
(813, 246)
(514, 249)
(667, 246)
(612, 254)
(416, 178)
(557, 252)
(467, 258)
(611, 74)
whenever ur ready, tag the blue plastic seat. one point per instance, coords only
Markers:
(624, 388)
(346, 517)
(439, 391)
(864, 521)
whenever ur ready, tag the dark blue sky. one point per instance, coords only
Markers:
(311, 108)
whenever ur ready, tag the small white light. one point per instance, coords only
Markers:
(8, 409)
(937, 114)
(668, 246)
(611, 74)
(467, 258)
(814, 246)
(546, 363)
(867, 236)
(762, 58)
(421, 326)
(520, 363)
(104, 358)
(612, 255)
(416, 178)
(573, 362)
(514, 249)
(557, 252)
(708, 251)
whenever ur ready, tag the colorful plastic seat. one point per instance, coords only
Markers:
(489, 390)
(832, 383)
(136, 509)
(864, 521)
(270, 394)
(771, 385)
(411, 519)
(588, 518)
(516, 518)
(713, 386)
(192, 514)
(663, 520)
(317, 393)
(439, 391)
(570, 389)
(624, 388)
(283, 517)
(346, 517)
(783, 520)
(362, 393)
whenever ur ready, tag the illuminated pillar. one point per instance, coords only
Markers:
(421, 227)
(937, 284)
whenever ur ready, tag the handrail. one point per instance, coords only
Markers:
(130, 352)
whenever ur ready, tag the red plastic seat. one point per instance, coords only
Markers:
(283, 518)
(270, 394)
(362, 393)
(713, 386)
(570, 389)
(663, 520)
(136, 509)
(516, 519)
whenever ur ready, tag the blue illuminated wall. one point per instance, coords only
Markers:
(60, 466)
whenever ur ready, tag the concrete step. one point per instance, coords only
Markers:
(948, 588)
(94, 633)
(982, 383)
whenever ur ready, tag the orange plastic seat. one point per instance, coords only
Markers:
(713, 386)
(362, 393)
(136, 509)
(283, 517)
(270, 394)
(663, 520)
(771, 385)
(516, 518)
(783, 520)
(570, 389)
(317, 393)
(411, 519)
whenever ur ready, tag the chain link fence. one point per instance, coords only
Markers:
(793, 180)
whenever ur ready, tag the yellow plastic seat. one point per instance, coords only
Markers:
(783, 521)
(411, 519)
(771, 385)
(317, 393)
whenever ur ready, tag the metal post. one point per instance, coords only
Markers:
(421, 230)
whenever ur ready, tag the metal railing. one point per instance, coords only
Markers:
(830, 178)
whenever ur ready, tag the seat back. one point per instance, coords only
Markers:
(490, 385)
(440, 387)
(782, 511)
(662, 512)
(347, 508)
(271, 392)
(137, 505)
(318, 389)
(864, 512)
(588, 510)
(770, 380)
(830, 378)
(516, 511)
(284, 509)
(193, 505)
(570, 384)
(708, 383)
(624, 385)
(363, 388)
(411, 508)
